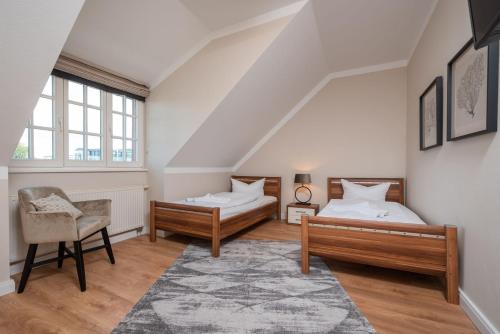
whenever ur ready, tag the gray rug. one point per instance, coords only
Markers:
(253, 287)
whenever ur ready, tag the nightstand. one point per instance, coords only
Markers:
(295, 210)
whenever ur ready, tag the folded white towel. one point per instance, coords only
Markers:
(209, 198)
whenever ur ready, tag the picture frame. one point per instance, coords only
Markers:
(431, 115)
(472, 92)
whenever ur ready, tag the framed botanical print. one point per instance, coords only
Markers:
(431, 115)
(472, 92)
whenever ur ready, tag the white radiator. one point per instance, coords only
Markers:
(127, 213)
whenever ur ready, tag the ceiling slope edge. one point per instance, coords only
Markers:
(45, 35)
(309, 96)
(247, 24)
(300, 29)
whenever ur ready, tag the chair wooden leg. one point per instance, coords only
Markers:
(109, 250)
(60, 254)
(28, 263)
(80, 268)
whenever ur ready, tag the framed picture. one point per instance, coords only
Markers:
(431, 115)
(472, 92)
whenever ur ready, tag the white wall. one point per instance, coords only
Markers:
(6, 284)
(181, 185)
(457, 183)
(355, 126)
(77, 181)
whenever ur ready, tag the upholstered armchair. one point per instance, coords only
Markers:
(42, 227)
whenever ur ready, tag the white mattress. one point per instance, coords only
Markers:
(397, 213)
(233, 211)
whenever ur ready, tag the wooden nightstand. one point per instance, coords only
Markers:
(294, 211)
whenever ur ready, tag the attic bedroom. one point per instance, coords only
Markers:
(249, 166)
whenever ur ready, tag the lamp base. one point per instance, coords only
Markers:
(303, 203)
(310, 195)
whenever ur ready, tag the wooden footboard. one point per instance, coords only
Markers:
(416, 248)
(196, 221)
(204, 222)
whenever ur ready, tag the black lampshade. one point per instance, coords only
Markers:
(303, 178)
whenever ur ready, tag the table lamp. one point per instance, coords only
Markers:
(303, 179)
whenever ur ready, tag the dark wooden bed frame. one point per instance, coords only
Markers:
(425, 249)
(204, 222)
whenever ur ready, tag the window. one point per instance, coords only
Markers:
(68, 128)
(84, 136)
(38, 142)
(124, 129)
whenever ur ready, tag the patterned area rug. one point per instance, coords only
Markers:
(253, 287)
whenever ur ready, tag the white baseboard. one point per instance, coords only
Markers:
(18, 267)
(482, 323)
(7, 287)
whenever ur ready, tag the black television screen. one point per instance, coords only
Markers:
(485, 19)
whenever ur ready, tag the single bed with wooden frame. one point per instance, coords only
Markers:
(205, 222)
(419, 248)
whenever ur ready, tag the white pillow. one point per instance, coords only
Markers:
(372, 193)
(254, 187)
(54, 203)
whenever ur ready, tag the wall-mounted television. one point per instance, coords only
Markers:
(485, 20)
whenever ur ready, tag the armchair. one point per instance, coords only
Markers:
(42, 227)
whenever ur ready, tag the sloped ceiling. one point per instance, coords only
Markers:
(325, 36)
(286, 71)
(143, 39)
(359, 33)
(32, 34)
(137, 39)
(217, 14)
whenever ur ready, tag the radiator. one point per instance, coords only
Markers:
(127, 213)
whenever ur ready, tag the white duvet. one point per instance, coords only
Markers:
(368, 210)
(222, 200)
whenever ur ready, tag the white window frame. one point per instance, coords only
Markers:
(84, 163)
(57, 144)
(139, 105)
(61, 138)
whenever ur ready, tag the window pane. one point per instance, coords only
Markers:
(93, 96)
(93, 120)
(117, 103)
(75, 91)
(47, 90)
(129, 151)
(75, 146)
(129, 106)
(75, 117)
(117, 125)
(93, 148)
(117, 150)
(42, 144)
(22, 149)
(42, 115)
(129, 127)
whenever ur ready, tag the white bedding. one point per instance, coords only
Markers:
(223, 199)
(226, 212)
(396, 213)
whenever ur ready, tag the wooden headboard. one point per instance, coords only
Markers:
(396, 192)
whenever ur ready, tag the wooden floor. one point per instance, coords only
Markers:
(394, 302)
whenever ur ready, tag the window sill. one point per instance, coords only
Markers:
(28, 170)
